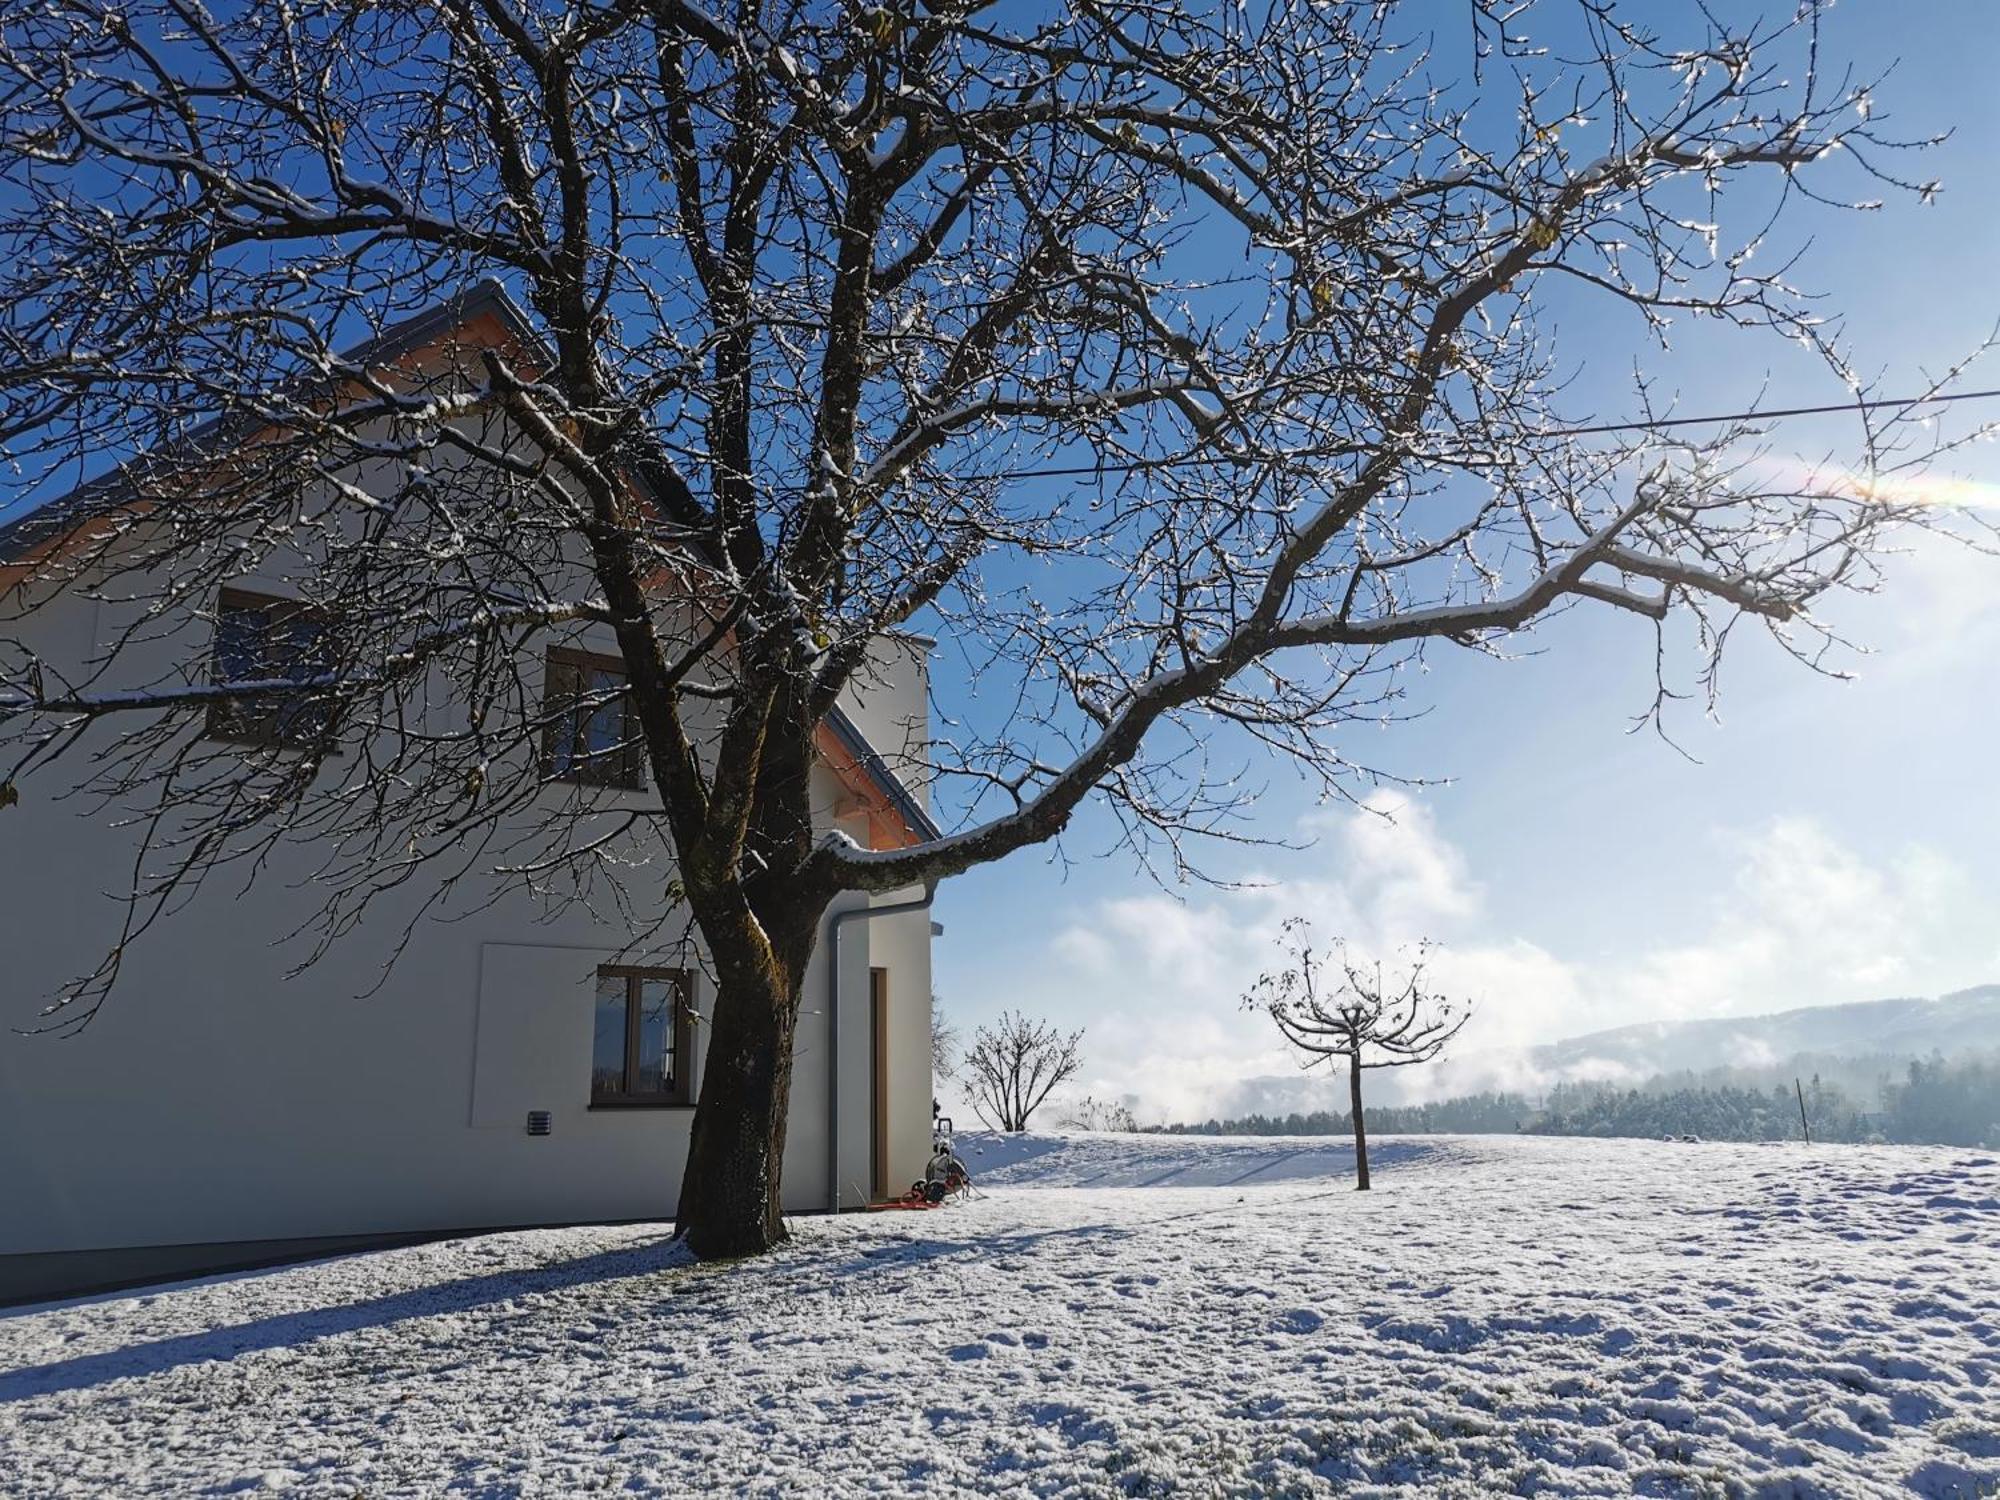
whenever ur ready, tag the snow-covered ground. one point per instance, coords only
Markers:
(1115, 1315)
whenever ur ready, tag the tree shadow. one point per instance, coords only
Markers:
(895, 1253)
(285, 1330)
(1204, 1162)
(1269, 1164)
(291, 1329)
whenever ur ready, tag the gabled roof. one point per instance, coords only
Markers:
(23, 540)
(56, 518)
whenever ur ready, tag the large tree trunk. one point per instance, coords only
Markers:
(1360, 1125)
(731, 1191)
(761, 934)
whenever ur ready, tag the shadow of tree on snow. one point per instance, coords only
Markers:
(289, 1329)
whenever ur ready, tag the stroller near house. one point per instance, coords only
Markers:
(946, 1173)
(944, 1176)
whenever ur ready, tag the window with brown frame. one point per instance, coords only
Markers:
(260, 638)
(641, 1037)
(591, 733)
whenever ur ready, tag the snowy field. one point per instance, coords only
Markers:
(1114, 1316)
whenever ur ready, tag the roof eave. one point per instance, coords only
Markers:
(104, 493)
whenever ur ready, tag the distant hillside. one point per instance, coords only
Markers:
(1942, 1102)
(1954, 1023)
(1852, 1045)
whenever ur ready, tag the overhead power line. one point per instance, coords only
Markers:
(1872, 404)
(1636, 424)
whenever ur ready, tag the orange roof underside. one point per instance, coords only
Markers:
(887, 827)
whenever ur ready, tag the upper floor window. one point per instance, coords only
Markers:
(592, 734)
(641, 1038)
(262, 639)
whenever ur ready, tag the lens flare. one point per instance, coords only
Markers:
(1899, 490)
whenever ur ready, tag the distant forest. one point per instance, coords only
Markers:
(1933, 1101)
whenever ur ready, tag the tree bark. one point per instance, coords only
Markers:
(761, 932)
(1360, 1125)
(731, 1194)
(732, 1200)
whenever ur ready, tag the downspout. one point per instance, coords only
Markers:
(839, 921)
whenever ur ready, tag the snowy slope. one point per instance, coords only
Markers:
(1572, 1317)
(1107, 1160)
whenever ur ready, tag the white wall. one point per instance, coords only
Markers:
(889, 701)
(213, 1099)
(901, 944)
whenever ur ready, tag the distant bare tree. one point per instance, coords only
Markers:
(1014, 1064)
(1329, 1006)
(1098, 1114)
(944, 1043)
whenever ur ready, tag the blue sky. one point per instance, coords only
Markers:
(1828, 841)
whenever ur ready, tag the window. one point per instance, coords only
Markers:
(259, 639)
(592, 735)
(641, 1034)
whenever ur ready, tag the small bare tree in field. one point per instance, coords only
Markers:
(1189, 368)
(1329, 1007)
(1013, 1065)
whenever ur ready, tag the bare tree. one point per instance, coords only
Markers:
(1328, 1006)
(1184, 368)
(1013, 1065)
(944, 1043)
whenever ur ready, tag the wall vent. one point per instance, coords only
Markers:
(540, 1122)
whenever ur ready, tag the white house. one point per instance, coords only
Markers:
(514, 1069)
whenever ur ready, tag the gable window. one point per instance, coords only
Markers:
(641, 1036)
(592, 735)
(261, 639)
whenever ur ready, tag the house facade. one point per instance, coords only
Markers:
(509, 1064)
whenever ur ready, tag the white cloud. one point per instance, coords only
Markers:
(1807, 920)
(1798, 919)
(1399, 875)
